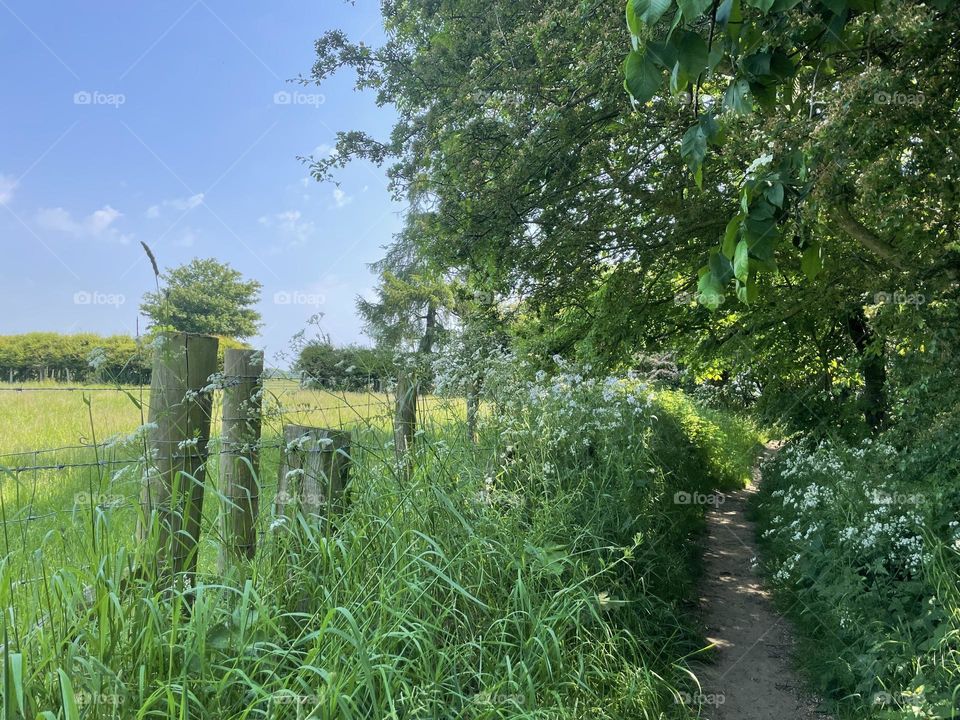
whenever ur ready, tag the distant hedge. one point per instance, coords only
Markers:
(350, 367)
(82, 357)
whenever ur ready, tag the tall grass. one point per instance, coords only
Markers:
(541, 573)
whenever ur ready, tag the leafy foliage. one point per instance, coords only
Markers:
(205, 296)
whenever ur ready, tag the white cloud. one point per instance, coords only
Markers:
(179, 204)
(340, 198)
(7, 185)
(292, 224)
(99, 223)
(188, 238)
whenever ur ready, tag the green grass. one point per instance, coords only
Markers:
(545, 572)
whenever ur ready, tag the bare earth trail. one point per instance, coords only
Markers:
(752, 678)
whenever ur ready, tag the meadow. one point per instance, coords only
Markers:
(545, 571)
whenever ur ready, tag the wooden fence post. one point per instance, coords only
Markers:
(179, 430)
(314, 473)
(405, 418)
(240, 453)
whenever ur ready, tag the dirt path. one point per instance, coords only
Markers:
(752, 678)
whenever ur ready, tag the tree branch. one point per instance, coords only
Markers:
(859, 232)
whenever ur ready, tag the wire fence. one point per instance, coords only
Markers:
(39, 485)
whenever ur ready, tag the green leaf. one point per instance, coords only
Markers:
(693, 149)
(763, 5)
(741, 261)
(730, 17)
(721, 267)
(642, 76)
(16, 675)
(775, 194)
(737, 97)
(67, 697)
(692, 9)
(757, 64)
(837, 7)
(633, 22)
(747, 292)
(811, 263)
(649, 11)
(710, 292)
(663, 54)
(730, 235)
(692, 52)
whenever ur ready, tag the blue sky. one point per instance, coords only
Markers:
(173, 123)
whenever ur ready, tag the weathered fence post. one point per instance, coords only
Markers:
(239, 452)
(314, 472)
(405, 418)
(179, 430)
(473, 409)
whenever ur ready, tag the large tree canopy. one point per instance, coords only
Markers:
(799, 154)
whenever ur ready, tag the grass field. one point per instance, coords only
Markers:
(46, 509)
(544, 572)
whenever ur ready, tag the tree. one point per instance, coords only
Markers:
(406, 318)
(205, 296)
(607, 218)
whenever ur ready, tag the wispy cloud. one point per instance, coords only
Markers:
(7, 185)
(97, 224)
(180, 204)
(292, 224)
(340, 198)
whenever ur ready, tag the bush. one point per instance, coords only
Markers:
(864, 549)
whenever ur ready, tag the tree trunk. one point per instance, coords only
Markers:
(873, 365)
(408, 390)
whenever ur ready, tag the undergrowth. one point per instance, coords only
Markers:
(543, 572)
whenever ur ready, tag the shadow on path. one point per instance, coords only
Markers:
(752, 678)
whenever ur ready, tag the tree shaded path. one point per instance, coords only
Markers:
(752, 678)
